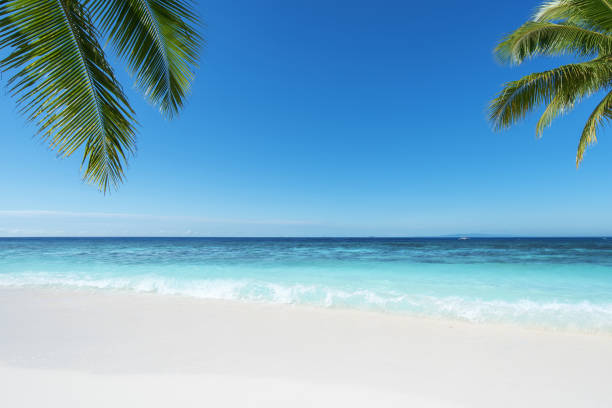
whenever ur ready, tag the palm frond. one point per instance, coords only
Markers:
(560, 10)
(568, 84)
(544, 38)
(590, 14)
(63, 83)
(557, 106)
(160, 43)
(601, 114)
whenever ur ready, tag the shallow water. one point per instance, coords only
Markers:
(553, 283)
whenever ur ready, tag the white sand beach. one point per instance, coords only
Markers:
(91, 349)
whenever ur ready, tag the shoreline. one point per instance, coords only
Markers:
(69, 345)
(399, 314)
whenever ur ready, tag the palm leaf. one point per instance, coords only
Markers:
(581, 28)
(590, 14)
(557, 106)
(565, 85)
(64, 85)
(544, 38)
(160, 43)
(603, 112)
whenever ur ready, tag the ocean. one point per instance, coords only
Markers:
(550, 283)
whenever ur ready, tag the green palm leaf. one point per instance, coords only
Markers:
(601, 114)
(581, 28)
(555, 108)
(562, 87)
(64, 84)
(543, 38)
(591, 14)
(160, 43)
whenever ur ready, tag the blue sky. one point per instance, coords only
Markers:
(319, 118)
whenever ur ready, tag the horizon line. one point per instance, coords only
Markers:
(445, 236)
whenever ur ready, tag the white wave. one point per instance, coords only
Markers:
(583, 315)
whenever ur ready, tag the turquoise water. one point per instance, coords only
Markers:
(552, 283)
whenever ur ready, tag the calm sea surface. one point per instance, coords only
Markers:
(553, 283)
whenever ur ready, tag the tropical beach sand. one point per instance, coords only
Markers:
(100, 349)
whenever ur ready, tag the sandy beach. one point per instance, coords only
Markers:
(335, 204)
(74, 349)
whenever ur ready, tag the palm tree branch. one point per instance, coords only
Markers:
(590, 14)
(569, 83)
(63, 83)
(70, 23)
(601, 114)
(545, 38)
(160, 43)
(556, 107)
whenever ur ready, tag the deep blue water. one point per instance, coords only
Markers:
(549, 282)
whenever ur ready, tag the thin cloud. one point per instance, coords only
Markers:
(103, 215)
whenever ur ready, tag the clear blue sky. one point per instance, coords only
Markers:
(329, 118)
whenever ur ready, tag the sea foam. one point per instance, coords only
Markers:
(581, 315)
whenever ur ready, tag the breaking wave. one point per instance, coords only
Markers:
(580, 315)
